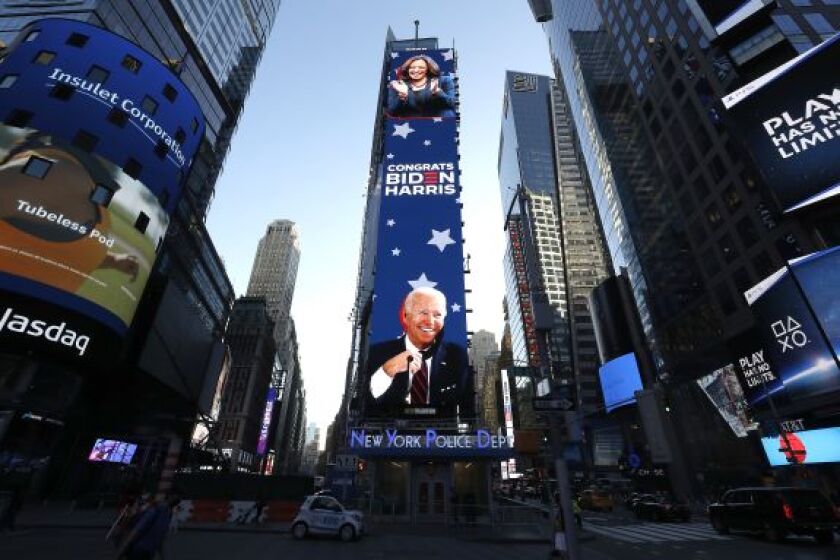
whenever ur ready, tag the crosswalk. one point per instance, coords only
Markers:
(656, 532)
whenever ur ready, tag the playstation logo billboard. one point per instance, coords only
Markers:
(799, 331)
(789, 120)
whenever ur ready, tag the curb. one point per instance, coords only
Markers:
(221, 529)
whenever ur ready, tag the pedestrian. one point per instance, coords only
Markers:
(15, 503)
(576, 509)
(147, 537)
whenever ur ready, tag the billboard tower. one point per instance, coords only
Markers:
(410, 398)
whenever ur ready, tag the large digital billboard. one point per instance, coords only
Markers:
(804, 448)
(724, 391)
(416, 363)
(799, 328)
(788, 120)
(97, 139)
(620, 380)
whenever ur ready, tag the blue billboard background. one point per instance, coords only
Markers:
(96, 77)
(119, 130)
(620, 380)
(419, 238)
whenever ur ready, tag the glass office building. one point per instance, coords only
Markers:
(682, 209)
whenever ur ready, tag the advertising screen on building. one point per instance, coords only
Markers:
(805, 448)
(75, 223)
(112, 451)
(262, 444)
(788, 120)
(421, 84)
(97, 140)
(795, 309)
(620, 380)
(416, 362)
(724, 391)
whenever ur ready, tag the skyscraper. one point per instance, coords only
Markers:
(683, 209)
(275, 268)
(555, 253)
(174, 348)
(249, 336)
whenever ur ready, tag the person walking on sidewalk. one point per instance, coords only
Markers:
(14, 505)
(147, 537)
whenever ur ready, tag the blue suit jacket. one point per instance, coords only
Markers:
(422, 103)
(450, 380)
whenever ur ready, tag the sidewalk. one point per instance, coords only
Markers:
(62, 515)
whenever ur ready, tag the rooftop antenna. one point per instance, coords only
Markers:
(416, 33)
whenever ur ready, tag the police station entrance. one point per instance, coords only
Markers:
(431, 491)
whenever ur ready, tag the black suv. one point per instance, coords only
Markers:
(776, 512)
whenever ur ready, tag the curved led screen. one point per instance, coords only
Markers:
(96, 141)
(620, 380)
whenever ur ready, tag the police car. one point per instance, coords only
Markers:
(324, 515)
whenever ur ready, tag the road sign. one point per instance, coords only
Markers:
(547, 405)
(346, 462)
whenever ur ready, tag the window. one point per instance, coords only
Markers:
(8, 81)
(727, 304)
(85, 141)
(163, 197)
(731, 197)
(117, 117)
(747, 231)
(132, 168)
(19, 118)
(819, 23)
(170, 92)
(77, 40)
(131, 64)
(62, 91)
(97, 74)
(32, 36)
(713, 214)
(149, 105)
(101, 195)
(44, 57)
(37, 167)
(194, 125)
(180, 135)
(161, 149)
(142, 222)
(727, 248)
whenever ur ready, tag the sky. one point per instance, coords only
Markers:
(302, 152)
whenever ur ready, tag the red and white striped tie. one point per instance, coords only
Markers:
(420, 385)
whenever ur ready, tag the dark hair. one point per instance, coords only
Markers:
(433, 68)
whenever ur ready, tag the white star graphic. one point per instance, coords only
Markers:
(437, 119)
(440, 239)
(447, 55)
(422, 282)
(403, 130)
(396, 251)
(427, 142)
(373, 297)
(394, 55)
(458, 200)
(390, 156)
(456, 308)
(390, 223)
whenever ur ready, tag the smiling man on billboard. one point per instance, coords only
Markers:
(419, 369)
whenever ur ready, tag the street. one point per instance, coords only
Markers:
(32, 544)
(619, 535)
(613, 536)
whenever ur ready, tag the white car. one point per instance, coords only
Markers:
(324, 515)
